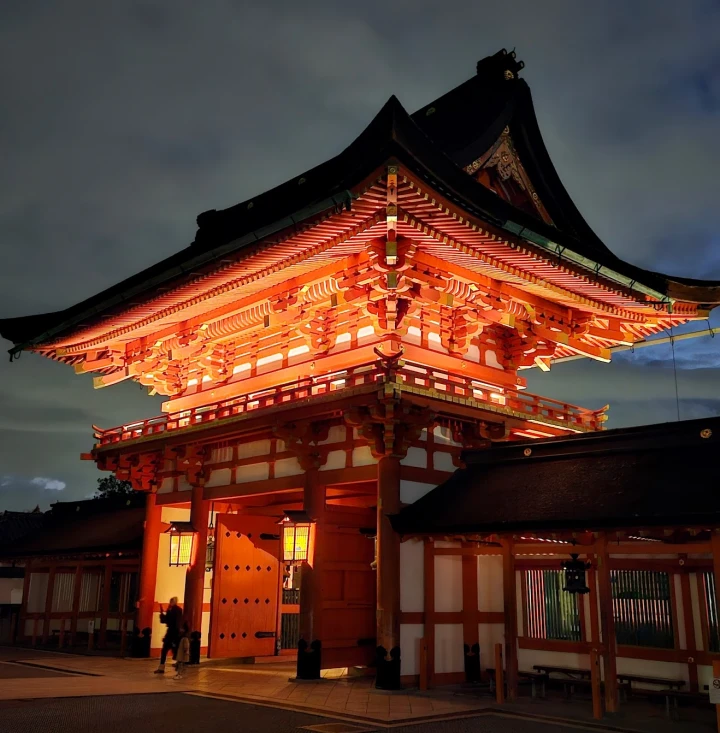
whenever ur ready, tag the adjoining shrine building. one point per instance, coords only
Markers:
(329, 348)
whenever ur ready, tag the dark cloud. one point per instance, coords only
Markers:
(122, 121)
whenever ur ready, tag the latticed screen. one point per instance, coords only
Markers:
(180, 549)
(711, 611)
(551, 612)
(295, 542)
(642, 608)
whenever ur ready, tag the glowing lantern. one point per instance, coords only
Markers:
(182, 538)
(296, 537)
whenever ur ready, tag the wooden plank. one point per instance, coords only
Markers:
(607, 624)
(429, 606)
(510, 612)
(388, 554)
(469, 599)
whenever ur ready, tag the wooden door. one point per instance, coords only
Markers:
(246, 584)
(348, 585)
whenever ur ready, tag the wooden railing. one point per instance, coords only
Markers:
(406, 375)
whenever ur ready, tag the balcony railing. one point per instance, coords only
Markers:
(405, 375)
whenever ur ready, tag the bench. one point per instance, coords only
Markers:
(537, 680)
(625, 682)
(673, 695)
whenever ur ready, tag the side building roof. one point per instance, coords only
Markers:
(435, 147)
(658, 475)
(94, 526)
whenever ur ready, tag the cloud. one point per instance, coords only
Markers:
(49, 484)
(122, 121)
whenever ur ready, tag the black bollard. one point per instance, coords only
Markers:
(309, 660)
(387, 676)
(472, 662)
(194, 648)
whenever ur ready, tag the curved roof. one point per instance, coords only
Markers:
(435, 143)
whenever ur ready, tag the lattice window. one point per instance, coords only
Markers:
(642, 608)
(551, 612)
(711, 611)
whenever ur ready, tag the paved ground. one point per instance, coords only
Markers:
(56, 692)
(182, 713)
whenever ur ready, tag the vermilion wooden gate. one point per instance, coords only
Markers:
(246, 584)
(348, 590)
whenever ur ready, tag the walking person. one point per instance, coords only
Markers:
(172, 619)
(182, 656)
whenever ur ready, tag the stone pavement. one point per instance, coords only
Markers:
(350, 699)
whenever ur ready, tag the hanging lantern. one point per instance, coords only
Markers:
(182, 538)
(210, 554)
(575, 575)
(296, 528)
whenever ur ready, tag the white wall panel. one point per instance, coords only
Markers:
(410, 635)
(411, 575)
(448, 583)
(449, 654)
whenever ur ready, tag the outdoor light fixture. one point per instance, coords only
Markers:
(296, 537)
(182, 538)
(210, 554)
(575, 575)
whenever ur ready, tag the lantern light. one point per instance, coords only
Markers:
(182, 538)
(575, 575)
(296, 537)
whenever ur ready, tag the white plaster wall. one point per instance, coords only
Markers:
(287, 467)
(411, 491)
(443, 462)
(166, 486)
(335, 459)
(488, 636)
(11, 590)
(336, 434)
(490, 583)
(410, 635)
(415, 457)
(444, 436)
(680, 613)
(361, 456)
(219, 477)
(412, 576)
(449, 654)
(705, 676)
(696, 606)
(670, 670)
(257, 448)
(183, 483)
(529, 657)
(221, 455)
(448, 583)
(175, 514)
(252, 472)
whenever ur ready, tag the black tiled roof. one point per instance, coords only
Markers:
(92, 526)
(465, 123)
(650, 476)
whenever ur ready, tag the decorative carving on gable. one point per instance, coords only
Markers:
(503, 158)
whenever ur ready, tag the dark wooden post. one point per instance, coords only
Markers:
(77, 590)
(195, 579)
(388, 569)
(499, 675)
(607, 625)
(309, 661)
(510, 614)
(429, 606)
(595, 686)
(48, 605)
(105, 610)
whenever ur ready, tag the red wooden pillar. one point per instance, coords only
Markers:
(149, 562)
(195, 580)
(510, 614)
(607, 626)
(388, 554)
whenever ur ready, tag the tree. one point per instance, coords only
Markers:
(111, 486)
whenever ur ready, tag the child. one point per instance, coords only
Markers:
(183, 650)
